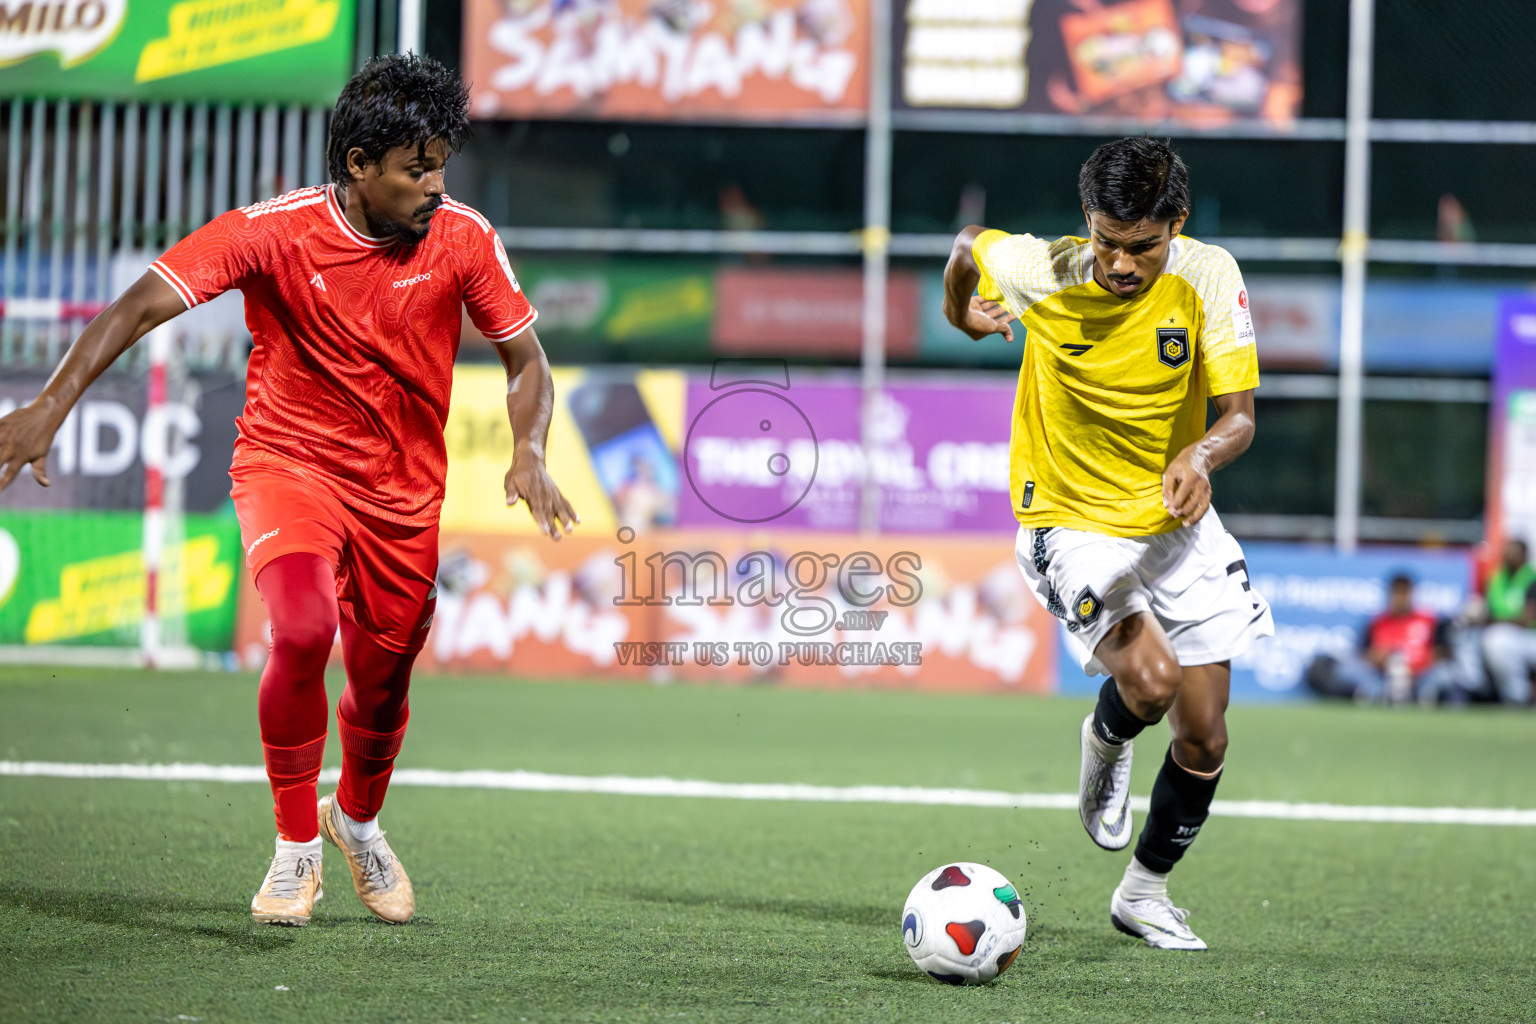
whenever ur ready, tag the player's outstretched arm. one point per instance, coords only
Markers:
(27, 433)
(968, 311)
(1187, 480)
(530, 403)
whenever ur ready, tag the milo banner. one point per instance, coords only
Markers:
(780, 607)
(77, 578)
(629, 310)
(285, 51)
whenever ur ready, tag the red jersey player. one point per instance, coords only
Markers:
(352, 293)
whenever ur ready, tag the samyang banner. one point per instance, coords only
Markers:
(280, 51)
(1197, 61)
(663, 60)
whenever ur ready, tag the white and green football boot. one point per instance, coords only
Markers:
(1104, 793)
(1156, 921)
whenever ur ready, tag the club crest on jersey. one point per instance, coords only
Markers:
(1173, 346)
(1088, 607)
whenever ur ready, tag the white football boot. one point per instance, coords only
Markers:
(1104, 793)
(1155, 920)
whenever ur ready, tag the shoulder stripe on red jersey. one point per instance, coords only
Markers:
(453, 206)
(288, 201)
(355, 235)
(177, 285)
(516, 329)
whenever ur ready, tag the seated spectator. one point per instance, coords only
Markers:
(1404, 655)
(1509, 645)
(1492, 618)
(1505, 595)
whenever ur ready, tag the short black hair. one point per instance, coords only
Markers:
(399, 99)
(1135, 178)
(1400, 579)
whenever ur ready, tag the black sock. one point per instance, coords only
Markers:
(1181, 801)
(1112, 720)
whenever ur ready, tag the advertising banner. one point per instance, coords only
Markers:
(761, 450)
(814, 314)
(613, 444)
(1410, 326)
(1321, 602)
(77, 578)
(770, 61)
(97, 459)
(1200, 61)
(284, 51)
(623, 303)
(1512, 425)
(783, 607)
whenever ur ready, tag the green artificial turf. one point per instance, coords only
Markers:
(127, 900)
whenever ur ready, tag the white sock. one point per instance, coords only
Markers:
(1141, 882)
(313, 846)
(362, 831)
(1110, 752)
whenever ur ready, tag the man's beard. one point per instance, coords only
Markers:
(410, 234)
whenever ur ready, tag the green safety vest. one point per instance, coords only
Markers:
(1506, 593)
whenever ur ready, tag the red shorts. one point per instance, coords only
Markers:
(385, 573)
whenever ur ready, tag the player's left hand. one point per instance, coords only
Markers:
(1187, 487)
(530, 482)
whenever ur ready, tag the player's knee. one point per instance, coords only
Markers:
(1205, 751)
(1151, 686)
(307, 639)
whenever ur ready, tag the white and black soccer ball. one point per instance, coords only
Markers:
(963, 924)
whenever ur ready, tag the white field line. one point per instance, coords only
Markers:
(624, 785)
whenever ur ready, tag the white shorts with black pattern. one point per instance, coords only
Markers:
(1194, 580)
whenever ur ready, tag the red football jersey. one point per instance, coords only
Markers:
(1411, 635)
(355, 338)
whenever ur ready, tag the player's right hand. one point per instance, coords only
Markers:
(983, 318)
(529, 482)
(25, 437)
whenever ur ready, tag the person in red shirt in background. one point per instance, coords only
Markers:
(353, 294)
(1405, 654)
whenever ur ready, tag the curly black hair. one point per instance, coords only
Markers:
(1135, 178)
(398, 99)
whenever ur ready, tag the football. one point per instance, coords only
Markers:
(963, 924)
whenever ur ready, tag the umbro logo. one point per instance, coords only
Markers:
(317, 281)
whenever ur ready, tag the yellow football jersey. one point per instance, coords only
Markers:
(1112, 389)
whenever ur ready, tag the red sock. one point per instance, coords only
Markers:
(300, 593)
(367, 762)
(294, 773)
(371, 718)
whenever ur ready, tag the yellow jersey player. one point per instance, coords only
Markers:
(1128, 333)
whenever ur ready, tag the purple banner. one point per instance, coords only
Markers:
(757, 452)
(1512, 427)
